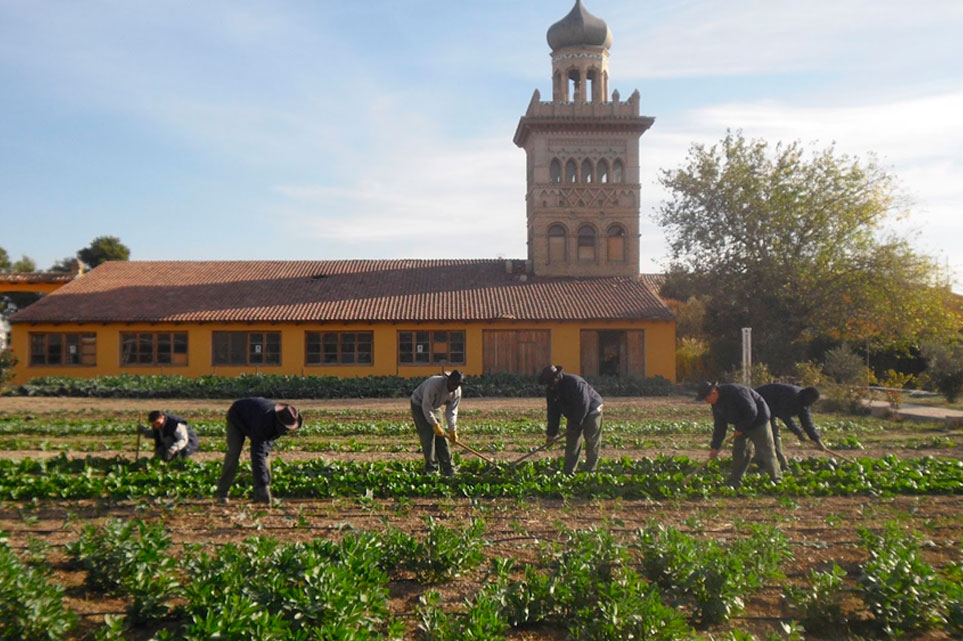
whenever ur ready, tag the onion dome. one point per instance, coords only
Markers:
(579, 29)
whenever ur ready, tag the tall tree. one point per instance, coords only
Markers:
(4, 260)
(794, 246)
(102, 249)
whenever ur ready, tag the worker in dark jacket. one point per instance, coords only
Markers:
(173, 437)
(262, 421)
(787, 402)
(571, 396)
(748, 413)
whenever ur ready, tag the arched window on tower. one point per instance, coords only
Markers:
(618, 173)
(586, 243)
(556, 244)
(571, 171)
(558, 94)
(592, 86)
(615, 241)
(603, 171)
(555, 171)
(575, 86)
(587, 173)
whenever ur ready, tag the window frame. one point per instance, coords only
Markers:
(267, 339)
(434, 338)
(585, 232)
(340, 344)
(65, 342)
(178, 343)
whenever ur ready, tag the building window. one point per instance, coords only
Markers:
(556, 244)
(153, 348)
(431, 347)
(555, 171)
(571, 171)
(247, 348)
(587, 173)
(586, 243)
(63, 349)
(616, 244)
(338, 348)
(603, 171)
(618, 173)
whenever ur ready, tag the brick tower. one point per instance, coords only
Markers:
(583, 193)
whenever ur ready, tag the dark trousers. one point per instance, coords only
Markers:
(590, 431)
(435, 448)
(259, 463)
(760, 439)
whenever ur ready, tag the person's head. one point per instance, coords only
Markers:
(550, 375)
(808, 396)
(156, 419)
(454, 379)
(708, 392)
(287, 417)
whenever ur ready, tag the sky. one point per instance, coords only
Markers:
(330, 129)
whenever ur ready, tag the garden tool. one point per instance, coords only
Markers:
(835, 453)
(538, 449)
(137, 451)
(472, 450)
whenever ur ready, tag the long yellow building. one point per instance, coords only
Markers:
(341, 318)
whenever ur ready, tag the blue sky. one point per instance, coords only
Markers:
(230, 129)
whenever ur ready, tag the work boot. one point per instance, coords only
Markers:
(262, 494)
(222, 499)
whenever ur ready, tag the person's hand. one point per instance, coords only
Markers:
(713, 454)
(453, 436)
(439, 430)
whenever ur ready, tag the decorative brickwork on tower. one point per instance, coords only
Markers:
(583, 192)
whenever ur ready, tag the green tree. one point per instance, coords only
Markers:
(4, 260)
(24, 265)
(794, 246)
(102, 249)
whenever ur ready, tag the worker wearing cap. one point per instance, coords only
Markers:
(571, 396)
(263, 421)
(428, 397)
(749, 415)
(786, 402)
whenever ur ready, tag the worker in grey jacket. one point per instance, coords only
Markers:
(173, 437)
(571, 396)
(749, 415)
(428, 397)
(786, 402)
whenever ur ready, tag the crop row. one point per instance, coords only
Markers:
(279, 386)
(659, 477)
(18, 425)
(660, 584)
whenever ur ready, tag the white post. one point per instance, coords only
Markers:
(747, 355)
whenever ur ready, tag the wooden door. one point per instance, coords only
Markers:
(516, 351)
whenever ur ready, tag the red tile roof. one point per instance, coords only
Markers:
(338, 290)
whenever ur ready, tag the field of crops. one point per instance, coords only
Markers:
(98, 543)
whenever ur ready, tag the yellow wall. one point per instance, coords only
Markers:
(659, 347)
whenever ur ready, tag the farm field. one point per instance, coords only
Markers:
(362, 546)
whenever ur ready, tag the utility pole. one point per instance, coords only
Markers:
(747, 356)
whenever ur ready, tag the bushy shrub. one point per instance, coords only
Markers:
(846, 367)
(945, 368)
(284, 386)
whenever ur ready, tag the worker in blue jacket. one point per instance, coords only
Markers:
(786, 402)
(748, 413)
(263, 421)
(571, 396)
